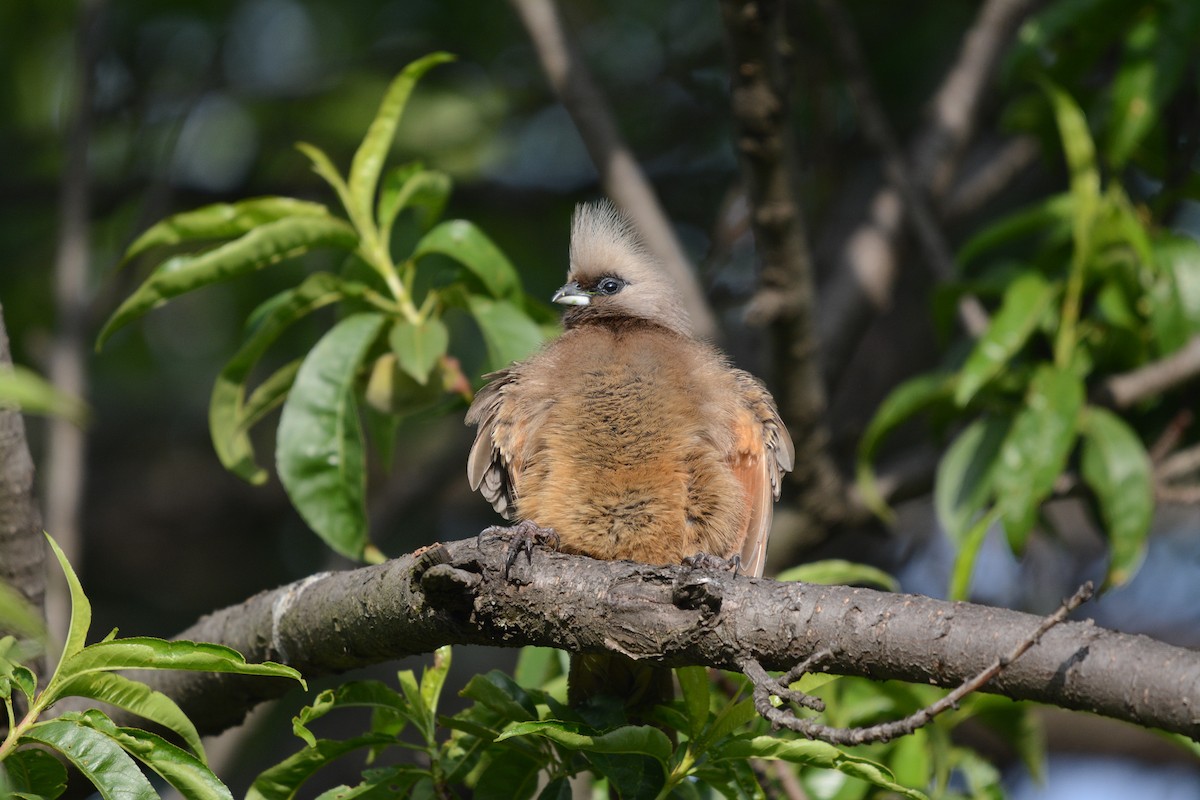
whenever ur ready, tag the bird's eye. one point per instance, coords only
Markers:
(610, 285)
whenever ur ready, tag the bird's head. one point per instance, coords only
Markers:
(613, 276)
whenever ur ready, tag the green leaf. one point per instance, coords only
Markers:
(964, 475)
(329, 173)
(81, 609)
(138, 698)
(905, 401)
(557, 789)
(411, 186)
(379, 784)
(817, 754)
(36, 772)
(839, 572)
(1175, 299)
(1156, 53)
(283, 781)
(729, 719)
(509, 776)
(221, 221)
(182, 770)
(1024, 303)
(434, 678)
(1053, 213)
(265, 245)
(229, 418)
(1036, 449)
(354, 694)
(641, 739)
(1115, 465)
(368, 159)
(500, 693)
(145, 652)
(694, 683)
(969, 544)
(101, 760)
(19, 615)
(508, 332)
(419, 345)
(319, 454)
(469, 246)
(32, 394)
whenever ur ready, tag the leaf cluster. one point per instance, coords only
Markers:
(107, 754)
(1082, 287)
(388, 352)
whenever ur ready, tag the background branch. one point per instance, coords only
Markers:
(620, 176)
(758, 47)
(862, 283)
(457, 594)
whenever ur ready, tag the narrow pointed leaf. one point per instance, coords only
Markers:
(419, 345)
(839, 572)
(969, 543)
(229, 419)
(964, 475)
(904, 402)
(1055, 212)
(1036, 448)
(379, 784)
(146, 652)
(694, 683)
(368, 159)
(269, 394)
(221, 221)
(471, 247)
(1115, 465)
(1157, 50)
(411, 186)
(33, 394)
(643, 739)
(508, 332)
(101, 760)
(319, 455)
(1081, 161)
(329, 173)
(356, 694)
(265, 245)
(1024, 303)
(283, 781)
(81, 609)
(434, 678)
(137, 698)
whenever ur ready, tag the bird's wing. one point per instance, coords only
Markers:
(763, 452)
(492, 463)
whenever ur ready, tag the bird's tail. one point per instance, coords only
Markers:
(638, 685)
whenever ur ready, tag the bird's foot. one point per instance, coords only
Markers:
(522, 538)
(709, 561)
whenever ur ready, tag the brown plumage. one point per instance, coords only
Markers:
(625, 435)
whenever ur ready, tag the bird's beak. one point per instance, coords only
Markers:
(572, 295)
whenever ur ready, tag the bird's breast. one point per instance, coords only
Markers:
(628, 461)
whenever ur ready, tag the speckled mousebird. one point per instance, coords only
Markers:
(628, 436)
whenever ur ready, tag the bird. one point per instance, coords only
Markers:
(627, 436)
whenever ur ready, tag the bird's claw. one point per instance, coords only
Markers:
(522, 538)
(709, 561)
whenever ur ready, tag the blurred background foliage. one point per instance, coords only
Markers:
(198, 101)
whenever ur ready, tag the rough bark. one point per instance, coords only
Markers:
(22, 548)
(457, 594)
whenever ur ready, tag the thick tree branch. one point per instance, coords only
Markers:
(620, 175)
(457, 594)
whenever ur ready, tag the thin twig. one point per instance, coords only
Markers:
(620, 175)
(933, 242)
(997, 172)
(766, 687)
(1130, 388)
(1171, 436)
